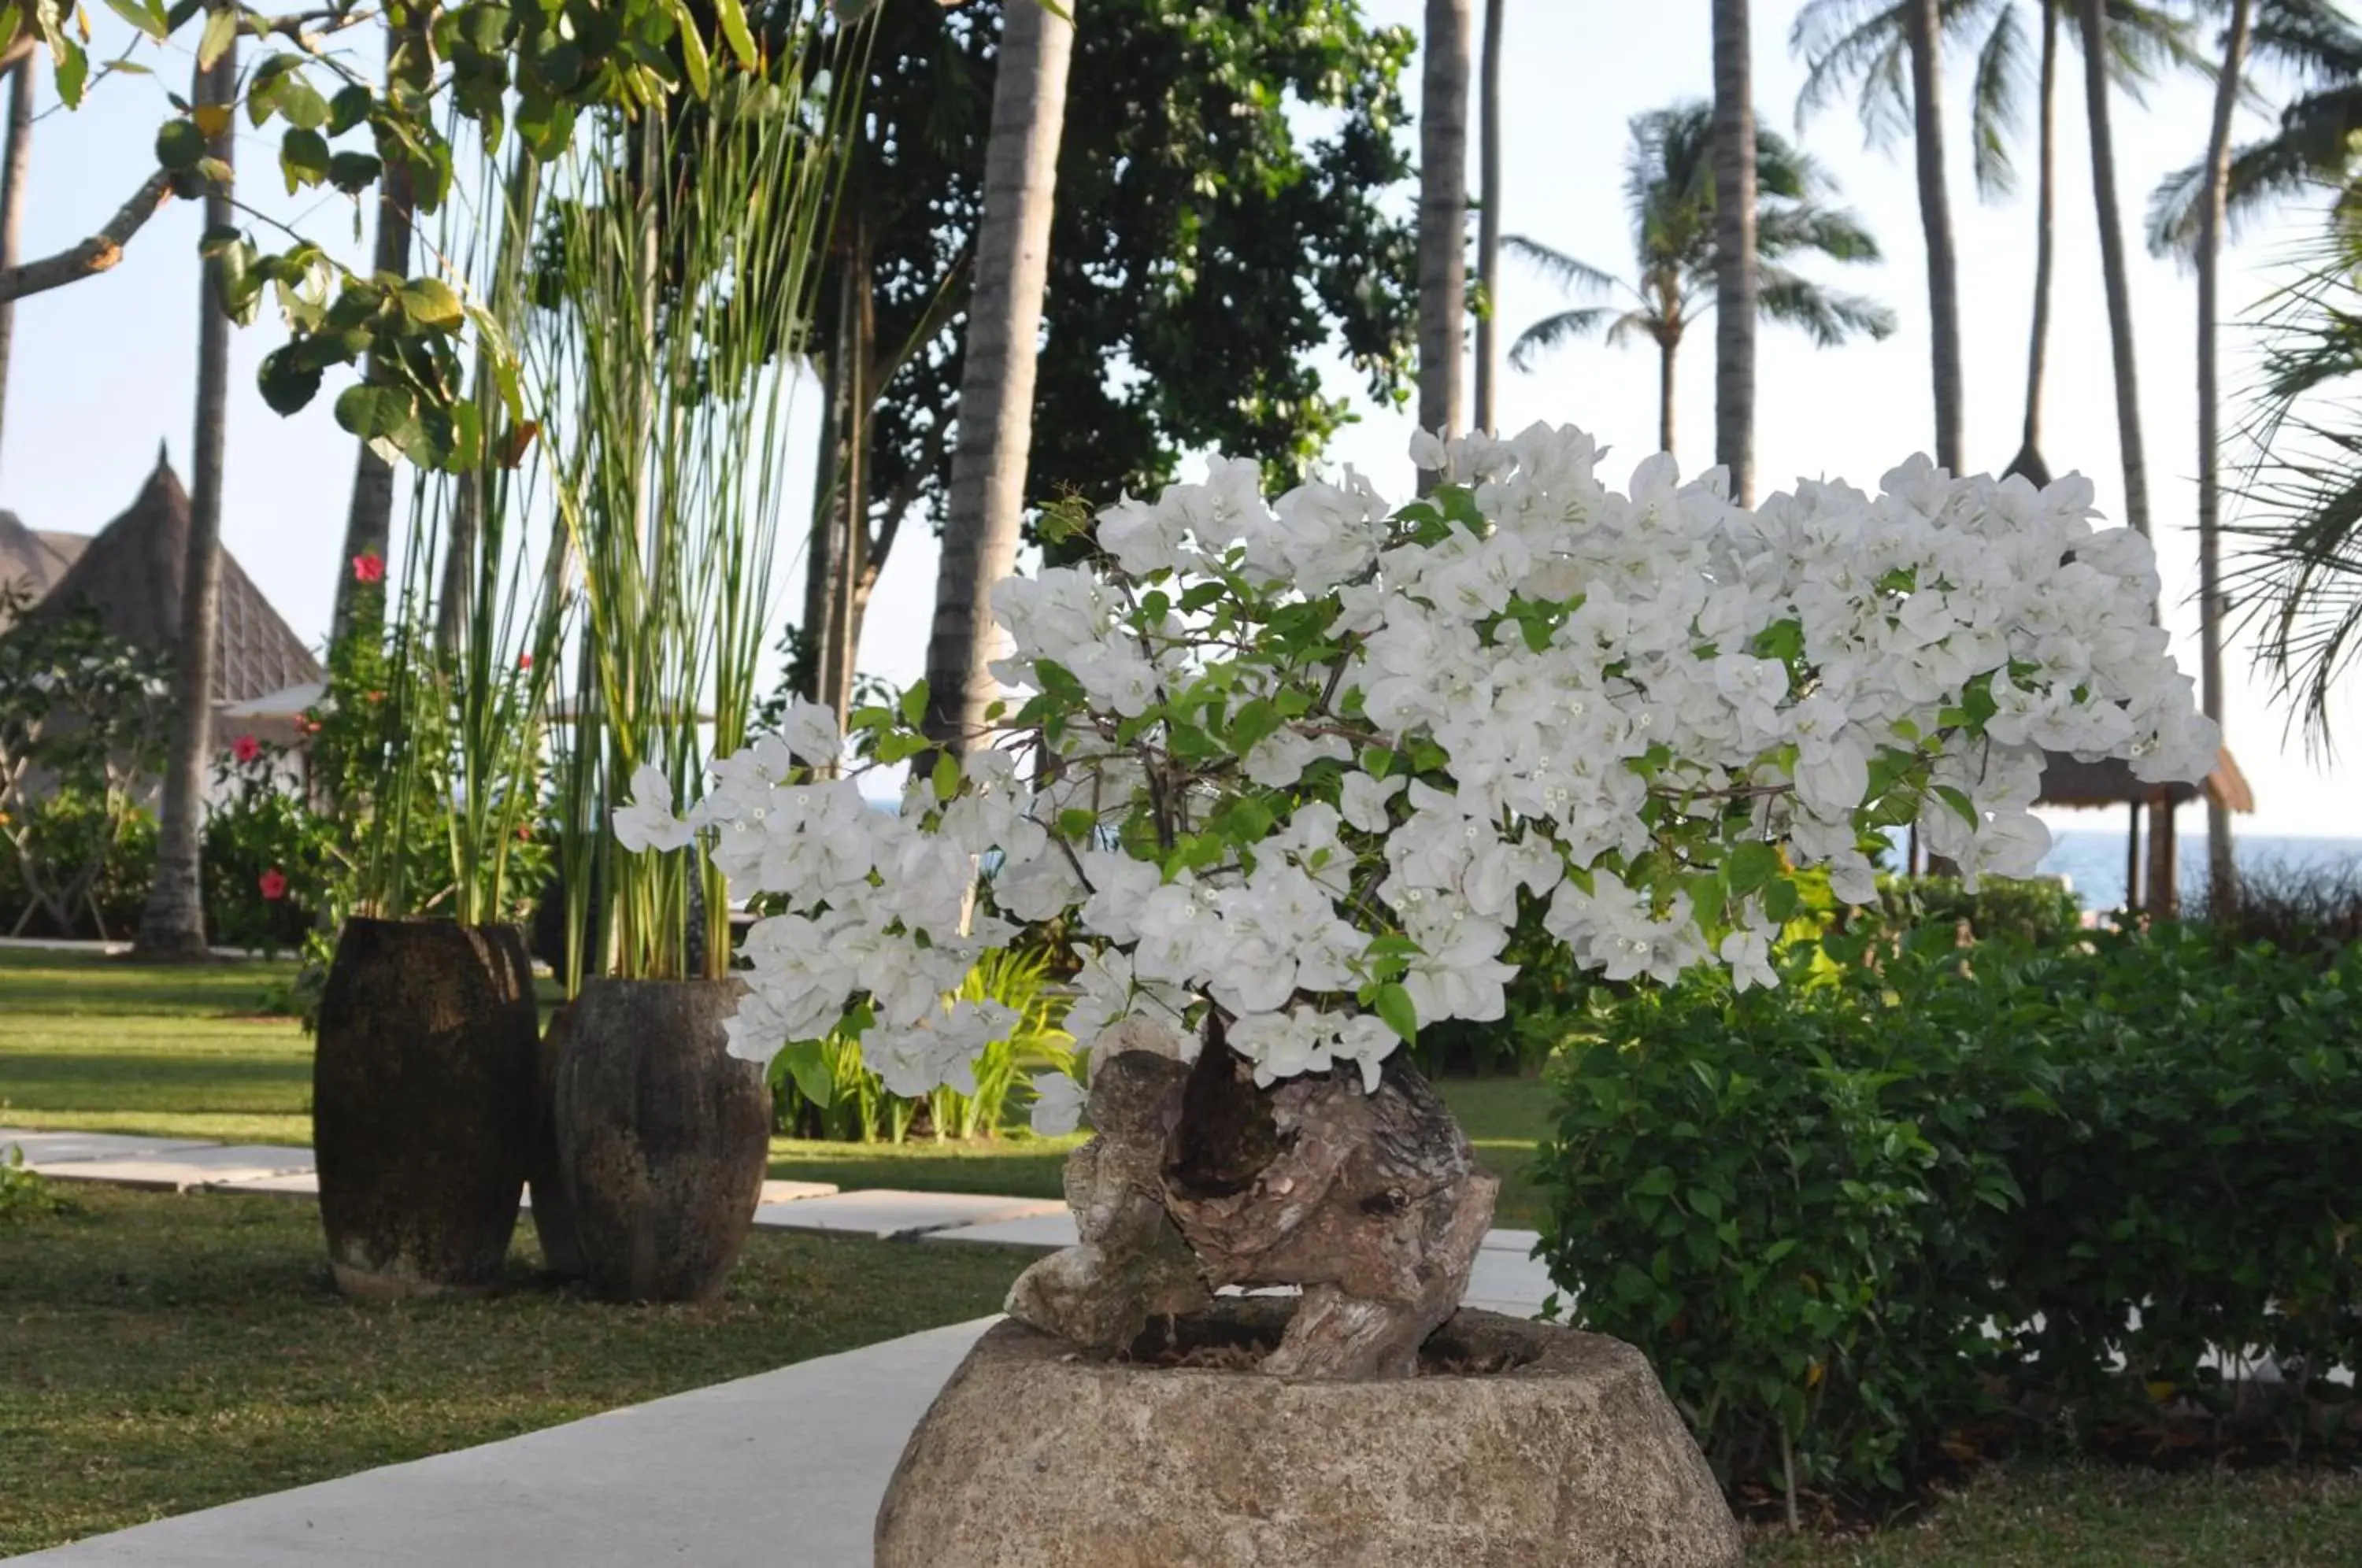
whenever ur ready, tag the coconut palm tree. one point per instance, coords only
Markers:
(1488, 212)
(1736, 280)
(173, 923)
(1004, 317)
(1866, 45)
(1669, 194)
(2188, 214)
(2220, 875)
(2310, 151)
(2091, 19)
(1442, 214)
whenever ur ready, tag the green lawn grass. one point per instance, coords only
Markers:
(101, 1044)
(167, 1353)
(94, 1044)
(2084, 1516)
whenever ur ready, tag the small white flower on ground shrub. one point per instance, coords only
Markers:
(1307, 761)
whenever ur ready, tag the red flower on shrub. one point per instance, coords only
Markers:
(524, 661)
(246, 748)
(368, 566)
(273, 884)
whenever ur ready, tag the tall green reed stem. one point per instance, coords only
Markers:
(686, 250)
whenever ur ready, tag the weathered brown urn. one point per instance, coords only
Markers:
(662, 1138)
(423, 1104)
(553, 1210)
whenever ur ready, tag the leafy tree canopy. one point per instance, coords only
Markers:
(1218, 223)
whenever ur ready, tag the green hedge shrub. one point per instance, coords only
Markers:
(2037, 910)
(67, 829)
(1835, 1215)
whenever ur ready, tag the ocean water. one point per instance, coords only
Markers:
(2092, 859)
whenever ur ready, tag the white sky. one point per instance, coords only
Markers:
(104, 369)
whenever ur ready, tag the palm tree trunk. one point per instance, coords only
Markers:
(22, 79)
(1488, 212)
(2163, 893)
(1734, 231)
(1442, 216)
(172, 924)
(820, 553)
(1936, 225)
(1665, 352)
(369, 520)
(2029, 460)
(861, 397)
(1004, 321)
(2092, 15)
(2221, 887)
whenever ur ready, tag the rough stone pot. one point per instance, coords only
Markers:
(553, 1209)
(423, 1104)
(663, 1137)
(1566, 1455)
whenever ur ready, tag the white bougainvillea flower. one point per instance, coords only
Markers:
(1303, 766)
(1057, 1105)
(646, 822)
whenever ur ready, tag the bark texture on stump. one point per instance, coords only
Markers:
(1373, 1202)
(1131, 1265)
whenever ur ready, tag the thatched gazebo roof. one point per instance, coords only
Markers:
(2066, 782)
(133, 573)
(32, 560)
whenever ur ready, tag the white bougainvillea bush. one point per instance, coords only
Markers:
(1298, 759)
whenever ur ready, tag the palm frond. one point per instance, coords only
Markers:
(1834, 232)
(2301, 578)
(2146, 42)
(2312, 147)
(2314, 37)
(1562, 268)
(1553, 331)
(1830, 316)
(1848, 42)
(1652, 325)
(1994, 102)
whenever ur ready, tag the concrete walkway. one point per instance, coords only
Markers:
(782, 1470)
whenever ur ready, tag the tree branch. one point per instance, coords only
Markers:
(97, 254)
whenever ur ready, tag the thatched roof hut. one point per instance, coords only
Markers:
(2152, 882)
(32, 560)
(2066, 782)
(133, 572)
